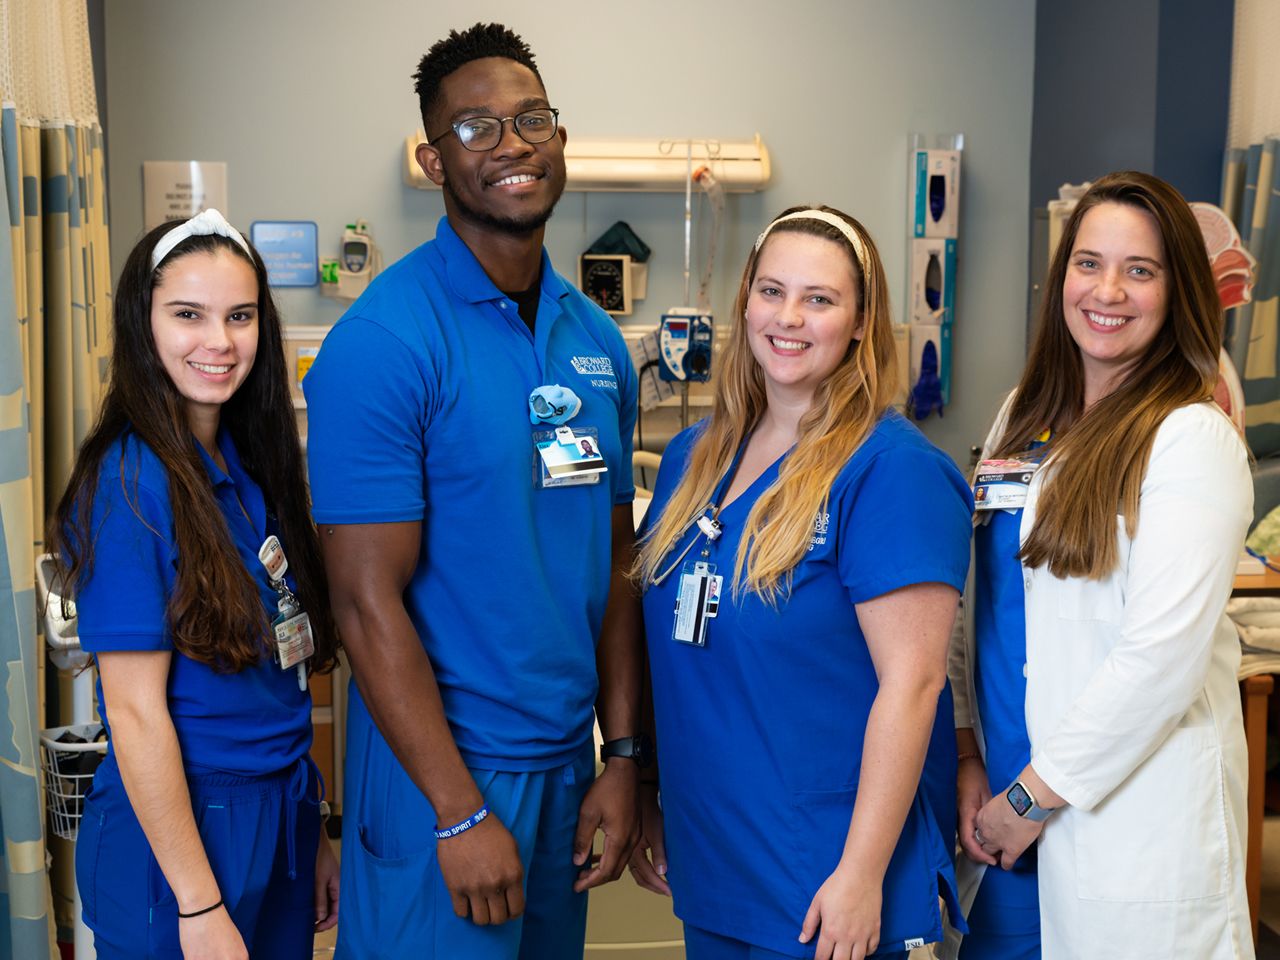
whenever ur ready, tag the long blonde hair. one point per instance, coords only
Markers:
(846, 407)
(1100, 456)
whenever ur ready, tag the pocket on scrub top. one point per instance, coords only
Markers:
(1162, 834)
(88, 855)
(818, 836)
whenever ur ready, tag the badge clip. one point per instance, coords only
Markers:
(710, 527)
(292, 628)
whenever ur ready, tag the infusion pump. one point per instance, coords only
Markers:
(684, 345)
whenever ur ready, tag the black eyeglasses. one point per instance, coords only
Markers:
(484, 133)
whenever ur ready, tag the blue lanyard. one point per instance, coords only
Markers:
(717, 496)
(707, 526)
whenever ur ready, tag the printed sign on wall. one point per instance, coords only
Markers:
(178, 190)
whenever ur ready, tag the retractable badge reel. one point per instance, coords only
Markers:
(292, 627)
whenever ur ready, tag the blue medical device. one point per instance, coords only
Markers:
(684, 346)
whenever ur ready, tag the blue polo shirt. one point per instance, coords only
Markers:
(417, 410)
(760, 731)
(250, 723)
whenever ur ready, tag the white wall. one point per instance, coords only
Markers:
(309, 101)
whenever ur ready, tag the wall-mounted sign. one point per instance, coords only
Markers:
(289, 249)
(178, 190)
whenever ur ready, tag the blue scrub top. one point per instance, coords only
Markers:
(760, 732)
(1000, 651)
(249, 723)
(418, 411)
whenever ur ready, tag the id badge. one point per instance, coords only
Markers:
(294, 642)
(566, 457)
(1003, 484)
(697, 602)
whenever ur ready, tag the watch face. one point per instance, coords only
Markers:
(1019, 799)
(642, 752)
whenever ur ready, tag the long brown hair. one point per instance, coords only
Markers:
(215, 613)
(1099, 456)
(846, 407)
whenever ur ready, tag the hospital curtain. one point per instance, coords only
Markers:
(54, 310)
(1251, 197)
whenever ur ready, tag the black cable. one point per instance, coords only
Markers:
(644, 477)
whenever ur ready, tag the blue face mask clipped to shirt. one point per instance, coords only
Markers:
(553, 404)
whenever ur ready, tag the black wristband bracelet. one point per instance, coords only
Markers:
(199, 913)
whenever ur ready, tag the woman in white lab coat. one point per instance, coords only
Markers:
(1134, 503)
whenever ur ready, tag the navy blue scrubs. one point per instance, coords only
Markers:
(1004, 920)
(760, 731)
(244, 736)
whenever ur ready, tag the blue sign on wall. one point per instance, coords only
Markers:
(288, 248)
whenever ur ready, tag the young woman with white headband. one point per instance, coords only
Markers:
(185, 534)
(801, 570)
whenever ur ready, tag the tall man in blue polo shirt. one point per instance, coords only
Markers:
(482, 602)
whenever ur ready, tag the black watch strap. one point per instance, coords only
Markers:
(639, 749)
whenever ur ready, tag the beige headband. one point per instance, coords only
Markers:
(859, 248)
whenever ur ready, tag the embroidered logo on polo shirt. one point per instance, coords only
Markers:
(593, 366)
(820, 524)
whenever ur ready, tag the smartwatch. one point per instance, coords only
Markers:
(1024, 803)
(639, 749)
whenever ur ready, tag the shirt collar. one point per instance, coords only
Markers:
(467, 278)
(235, 481)
(217, 475)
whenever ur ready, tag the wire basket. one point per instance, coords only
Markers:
(68, 771)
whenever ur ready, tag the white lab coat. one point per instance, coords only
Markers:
(1133, 712)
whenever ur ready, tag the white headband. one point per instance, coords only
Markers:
(202, 224)
(859, 248)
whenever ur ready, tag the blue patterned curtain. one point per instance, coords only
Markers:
(54, 310)
(1251, 197)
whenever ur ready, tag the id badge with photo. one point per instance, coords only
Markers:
(1003, 484)
(697, 602)
(294, 642)
(567, 457)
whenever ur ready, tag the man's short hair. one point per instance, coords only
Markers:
(455, 50)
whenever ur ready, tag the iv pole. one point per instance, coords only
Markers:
(688, 245)
(712, 148)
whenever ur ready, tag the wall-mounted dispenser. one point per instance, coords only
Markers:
(346, 276)
(933, 205)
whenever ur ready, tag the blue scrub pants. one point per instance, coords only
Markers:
(1004, 921)
(260, 834)
(701, 944)
(394, 901)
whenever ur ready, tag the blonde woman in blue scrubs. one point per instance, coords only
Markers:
(801, 576)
